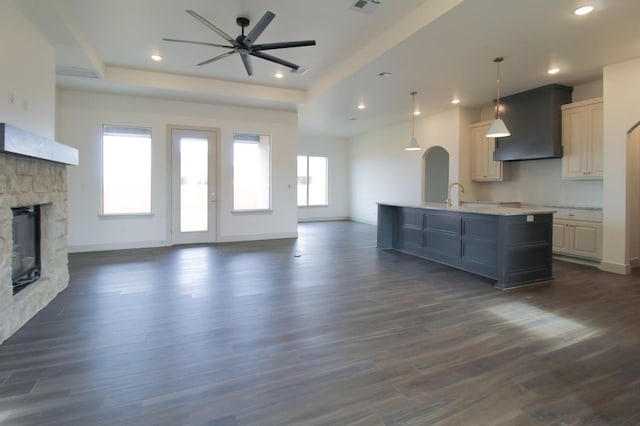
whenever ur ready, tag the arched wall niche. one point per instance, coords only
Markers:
(436, 174)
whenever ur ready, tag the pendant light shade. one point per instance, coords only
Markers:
(498, 129)
(413, 144)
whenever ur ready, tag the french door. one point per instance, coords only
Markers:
(193, 185)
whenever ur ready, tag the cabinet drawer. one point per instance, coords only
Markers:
(578, 214)
(411, 217)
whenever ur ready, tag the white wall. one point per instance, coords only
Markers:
(27, 70)
(586, 91)
(80, 119)
(382, 171)
(621, 86)
(336, 151)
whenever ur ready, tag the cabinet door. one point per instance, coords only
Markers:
(582, 140)
(561, 237)
(494, 168)
(587, 239)
(597, 140)
(574, 143)
(483, 168)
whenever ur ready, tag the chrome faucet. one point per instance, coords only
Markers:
(449, 192)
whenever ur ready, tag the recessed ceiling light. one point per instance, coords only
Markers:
(416, 112)
(278, 75)
(455, 101)
(583, 10)
(553, 70)
(361, 106)
(385, 74)
(156, 58)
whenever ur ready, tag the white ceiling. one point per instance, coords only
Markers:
(440, 48)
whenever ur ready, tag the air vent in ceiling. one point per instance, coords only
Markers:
(366, 6)
(76, 72)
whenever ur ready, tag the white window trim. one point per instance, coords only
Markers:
(104, 215)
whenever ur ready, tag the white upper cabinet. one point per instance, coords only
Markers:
(483, 168)
(582, 140)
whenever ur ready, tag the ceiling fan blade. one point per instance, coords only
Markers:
(217, 58)
(247, 63)
(258, 28)
(213, 27)
(283, 45)
(196, 42)
(274, 59)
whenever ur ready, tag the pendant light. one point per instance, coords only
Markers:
(498, 129)
(413, 143)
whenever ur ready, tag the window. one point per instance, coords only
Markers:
(312, 181)
(251, 172)
(126, 170)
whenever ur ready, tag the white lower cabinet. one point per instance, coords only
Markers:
(578, 233)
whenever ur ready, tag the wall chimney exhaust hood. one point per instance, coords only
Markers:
(534, 118)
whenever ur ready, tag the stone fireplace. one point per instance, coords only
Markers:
(32, 173)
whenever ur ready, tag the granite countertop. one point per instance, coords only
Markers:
(491, 209)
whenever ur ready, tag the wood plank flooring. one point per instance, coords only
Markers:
(322, 330)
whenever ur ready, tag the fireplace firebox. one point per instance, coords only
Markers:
(26, 247)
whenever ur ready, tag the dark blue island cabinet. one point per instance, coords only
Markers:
(509, 245)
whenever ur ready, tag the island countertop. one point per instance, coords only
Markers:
(475, 208)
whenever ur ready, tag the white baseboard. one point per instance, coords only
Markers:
(322, 219)
(616, 268)
(365, 221)
(577, 260)
(236, 238)
(116, 246)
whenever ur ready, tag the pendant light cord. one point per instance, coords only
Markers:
(497, 61)
(413, 115)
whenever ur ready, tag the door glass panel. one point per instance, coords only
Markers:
(194, 200)
(317, 181)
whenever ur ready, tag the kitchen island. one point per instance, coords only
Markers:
(510, 245)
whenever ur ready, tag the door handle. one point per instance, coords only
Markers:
(213, 197)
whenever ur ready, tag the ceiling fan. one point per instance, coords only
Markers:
(245, 45)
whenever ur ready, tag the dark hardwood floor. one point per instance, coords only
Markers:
(323, 330)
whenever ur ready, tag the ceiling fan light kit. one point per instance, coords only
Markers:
(245, 44)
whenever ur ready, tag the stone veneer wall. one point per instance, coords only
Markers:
(24, 182)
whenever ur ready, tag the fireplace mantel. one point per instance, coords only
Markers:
(21, 142)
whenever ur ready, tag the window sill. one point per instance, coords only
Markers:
(312, 206)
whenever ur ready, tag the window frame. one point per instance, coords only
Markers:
(139, 129)
(237, 136)
(307, 177)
